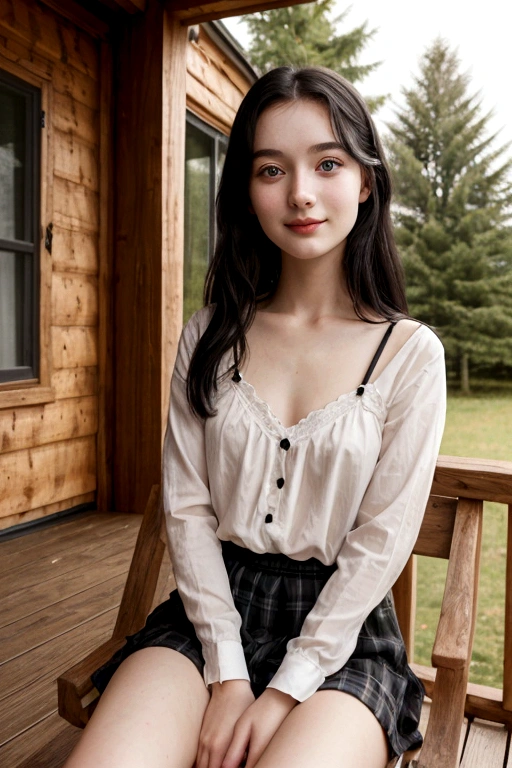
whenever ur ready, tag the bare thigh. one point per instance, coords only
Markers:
(149, 716)
(330, 729)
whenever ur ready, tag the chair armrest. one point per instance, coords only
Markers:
(454, 636)
(76, 693)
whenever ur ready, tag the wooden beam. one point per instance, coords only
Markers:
(78, 15)
(190, 13)
(486, 479)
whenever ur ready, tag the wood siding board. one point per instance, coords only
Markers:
(49, 509)
(70, 116)
(25, 428)
(207, 72)
(75, 382)
(75, 206)
(74, 347)
(74, 300)
(75, 160)
(75, 252)
(209, 104)
(50, 35)
(71, 82)
(48, 473)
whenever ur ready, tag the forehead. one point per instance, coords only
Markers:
(301, 122)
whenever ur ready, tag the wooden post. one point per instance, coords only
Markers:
(404, 595)
(149, 230)
(174, 92)
(507, 670)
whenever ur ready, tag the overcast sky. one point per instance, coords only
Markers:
(480, 31)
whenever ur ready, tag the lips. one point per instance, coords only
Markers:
(304, 226)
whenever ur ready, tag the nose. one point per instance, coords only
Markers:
(301, 193)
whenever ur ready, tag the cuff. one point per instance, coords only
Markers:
(298, 676)
(224, 660)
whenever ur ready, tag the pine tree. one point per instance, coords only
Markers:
(453, 193)
(303, 35)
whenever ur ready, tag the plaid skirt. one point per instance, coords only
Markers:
(273, 594)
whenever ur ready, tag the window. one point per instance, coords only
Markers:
(20, 137)
(204, 156)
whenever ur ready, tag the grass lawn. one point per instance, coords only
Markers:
(479, 426)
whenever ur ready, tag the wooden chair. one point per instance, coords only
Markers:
(451, 529)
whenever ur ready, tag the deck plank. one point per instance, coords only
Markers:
(46, 744)
(486, 745)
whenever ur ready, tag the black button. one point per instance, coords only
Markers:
(236, 376)
(280, 482)
(268, 519)
(285, 443)
(360, 390)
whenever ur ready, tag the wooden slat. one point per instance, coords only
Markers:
(29, 549)
(76, 557)
(75, 382)
(32, 677)
(208, 105)
(57, 619)
(487, 479)
(436, 532)
(507, 666)
(48, 473)
(41, 746)
(454, 636)
(486, 745)
(82, 88)
(36, 597)
(74, 347)
(70, 116)
(205, 70)
(75, 206)
(28, 395)
(226, 66)
(74, 299)
(106, 404)
(47, 509)
(74, 251)
(191, 13)
(75, 160)
(404, 595)
(29, 427)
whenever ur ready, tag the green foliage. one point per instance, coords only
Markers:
(303, 35)
(454, 193)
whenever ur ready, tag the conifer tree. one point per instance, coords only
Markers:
(305, 34)
(453, 194)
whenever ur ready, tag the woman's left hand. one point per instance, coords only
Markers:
(256, 727)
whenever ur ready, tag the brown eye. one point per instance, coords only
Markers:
(271, 171)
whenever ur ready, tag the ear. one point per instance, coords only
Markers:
(364, 193)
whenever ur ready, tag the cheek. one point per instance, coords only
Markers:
(264, 200)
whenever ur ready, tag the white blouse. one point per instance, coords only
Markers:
(357, 476)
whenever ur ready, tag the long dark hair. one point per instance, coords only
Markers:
(246, 265)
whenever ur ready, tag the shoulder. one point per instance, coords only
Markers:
(190, 335)
(196, 326)
(418, 353)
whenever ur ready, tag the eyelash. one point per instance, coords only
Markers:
(263, 171)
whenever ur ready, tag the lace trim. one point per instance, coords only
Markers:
(371, 400)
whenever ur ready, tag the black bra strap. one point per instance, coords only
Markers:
(377, 355)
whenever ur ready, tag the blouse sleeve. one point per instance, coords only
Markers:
(191, 523)
(377, 548)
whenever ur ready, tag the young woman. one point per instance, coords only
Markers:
(305, 421)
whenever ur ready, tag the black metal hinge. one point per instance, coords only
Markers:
(48, 237)
(43, 119)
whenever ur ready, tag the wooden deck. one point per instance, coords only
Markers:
(59, 592)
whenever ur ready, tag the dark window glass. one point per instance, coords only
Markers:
(20, 127)
(204, 156)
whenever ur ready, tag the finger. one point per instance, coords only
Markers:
(238, 747)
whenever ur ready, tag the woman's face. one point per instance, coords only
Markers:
(304, 188)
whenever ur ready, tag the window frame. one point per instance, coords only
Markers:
(29, 245)
(38, 389)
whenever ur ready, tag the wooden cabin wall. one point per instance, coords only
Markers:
(215, 87)
(48, 449)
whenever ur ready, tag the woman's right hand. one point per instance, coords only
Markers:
(228, 702)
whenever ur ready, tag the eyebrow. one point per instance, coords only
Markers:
(312, 150)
